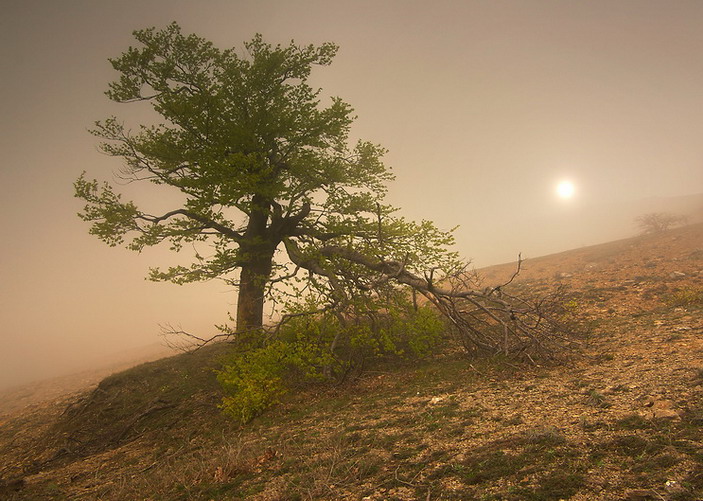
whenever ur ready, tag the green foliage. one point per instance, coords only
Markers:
(422, 331)
(397, 332)
(315, 348)
(239, 132)
(253, 381)
(258, 161)
(112, 218)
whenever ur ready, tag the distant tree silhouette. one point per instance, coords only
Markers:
(656, 222)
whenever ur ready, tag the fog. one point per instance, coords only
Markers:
(484, 106)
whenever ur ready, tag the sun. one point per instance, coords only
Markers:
(566, 189)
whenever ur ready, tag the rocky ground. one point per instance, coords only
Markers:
(621, 418)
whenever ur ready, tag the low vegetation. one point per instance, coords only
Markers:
(325, 347)
(691, 296)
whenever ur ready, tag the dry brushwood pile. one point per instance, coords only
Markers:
(620, 418)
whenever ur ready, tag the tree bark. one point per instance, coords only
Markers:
(252, 286)
(258, 245)
(258, 250)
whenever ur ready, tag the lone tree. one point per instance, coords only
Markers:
(656, 222)
(262, 166)
(274, 199)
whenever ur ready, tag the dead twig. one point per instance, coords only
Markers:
(157, 405)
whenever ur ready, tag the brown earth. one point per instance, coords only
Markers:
(619, 419)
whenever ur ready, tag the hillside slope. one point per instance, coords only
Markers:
(620, 419)
(15, 398)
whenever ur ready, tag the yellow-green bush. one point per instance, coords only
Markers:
(322, 347)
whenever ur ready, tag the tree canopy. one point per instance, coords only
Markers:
(276, 199)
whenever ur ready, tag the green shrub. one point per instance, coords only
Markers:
(322, 347)
(253, 381)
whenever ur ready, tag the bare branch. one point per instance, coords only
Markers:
(178, 339)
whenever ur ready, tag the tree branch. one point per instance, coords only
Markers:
(206, 222)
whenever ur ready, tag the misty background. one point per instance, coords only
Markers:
(484, 105)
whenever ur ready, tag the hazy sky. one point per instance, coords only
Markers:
(484, 106)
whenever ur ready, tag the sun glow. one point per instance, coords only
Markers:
(566, 189)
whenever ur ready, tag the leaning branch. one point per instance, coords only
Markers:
(313, 265)
(487, 320)
(393, 269)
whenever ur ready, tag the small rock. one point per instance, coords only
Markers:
(666, 414)
(677, 274)
(660, 409)
(674, 488)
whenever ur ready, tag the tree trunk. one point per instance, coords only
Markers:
(258, 249)
(252, 285)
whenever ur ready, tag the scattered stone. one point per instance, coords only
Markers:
(649, 402)
(660, 409)
(674, 488)
(220, 476)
